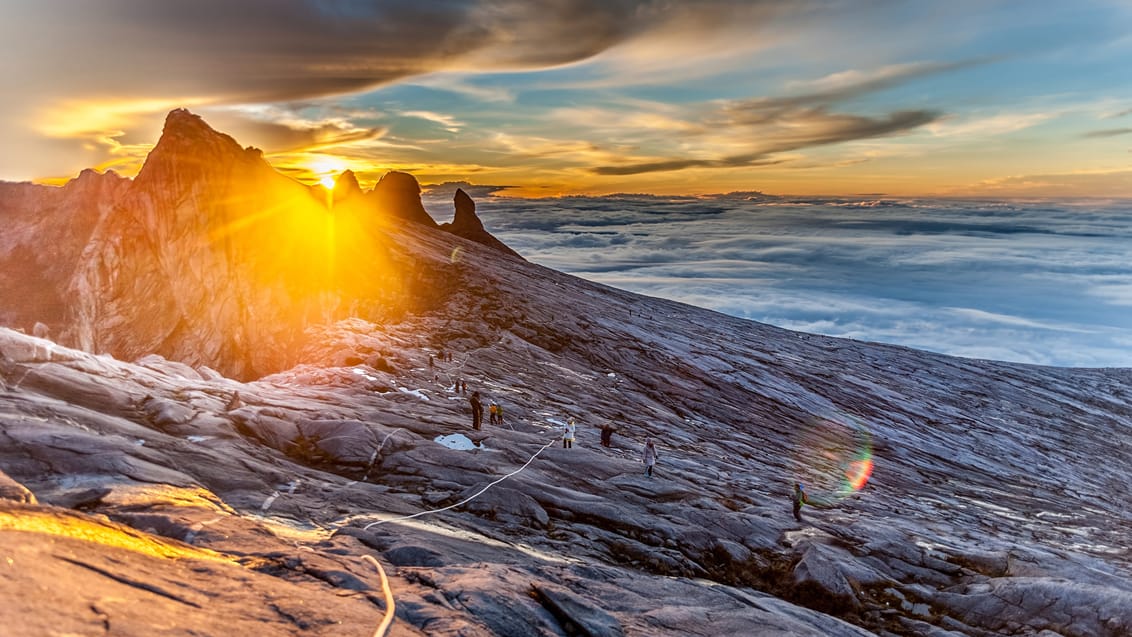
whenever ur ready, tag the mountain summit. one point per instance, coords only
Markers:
(212, 257)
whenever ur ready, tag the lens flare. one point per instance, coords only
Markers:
(833, 457)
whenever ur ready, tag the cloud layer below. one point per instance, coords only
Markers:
(1036, 282)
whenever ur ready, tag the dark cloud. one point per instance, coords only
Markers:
(277, 50)
(680, 164)
(1108, 132)
(817, 128)
(768, 110)
(795, 122)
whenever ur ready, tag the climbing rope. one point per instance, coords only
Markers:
(469, 498)
(390, 606)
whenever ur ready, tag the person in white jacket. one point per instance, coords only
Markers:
(568, 436)
(650, 456)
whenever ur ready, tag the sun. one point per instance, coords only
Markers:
(328, 182)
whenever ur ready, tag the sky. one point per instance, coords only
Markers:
(968, 98)
(1039, 282)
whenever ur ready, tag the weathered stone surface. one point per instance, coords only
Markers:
(414, 556)
(505, 505)
(576, 616)
(45, 230)
(350, 442)
(91, 576)
(1021, 603)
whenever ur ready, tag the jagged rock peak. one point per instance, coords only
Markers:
(466, 224)
(183, 126)
(346, 185)
(92, 179)
(187, 139)
(398, 194)
(465, 218)
(396, 181)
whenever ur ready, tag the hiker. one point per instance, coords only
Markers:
(799, 500)
(650, 456)
(492, 411)
(568, 437)
(607, 434)
(499, 414)
(430, 361)
(477, 410)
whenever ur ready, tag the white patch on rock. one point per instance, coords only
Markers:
(459, 442)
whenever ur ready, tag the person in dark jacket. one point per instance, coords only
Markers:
(799, 500)
(477, 410)
(607, 434)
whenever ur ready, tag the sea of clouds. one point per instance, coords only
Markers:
(1038, 282)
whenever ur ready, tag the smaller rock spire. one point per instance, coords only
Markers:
(467, 224)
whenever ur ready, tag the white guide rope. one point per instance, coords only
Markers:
(469, 498)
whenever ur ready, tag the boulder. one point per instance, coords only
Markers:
(12, 490)
(348, 442)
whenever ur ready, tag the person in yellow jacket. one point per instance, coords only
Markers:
(799, 500)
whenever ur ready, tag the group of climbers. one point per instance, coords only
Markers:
(494, 409)
(569, 434)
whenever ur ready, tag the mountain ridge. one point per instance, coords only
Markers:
(211, 256)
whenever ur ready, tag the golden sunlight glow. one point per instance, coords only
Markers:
(66, 524)
(97, 119)
(323, 169)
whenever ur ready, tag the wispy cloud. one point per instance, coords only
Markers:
(447, 122)
(1095, 183)
(767, 126)
(855, 82)
(766, 135)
